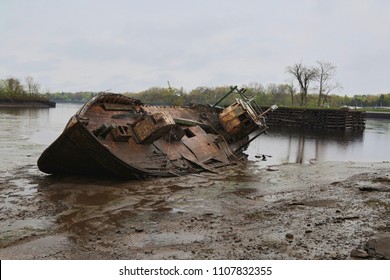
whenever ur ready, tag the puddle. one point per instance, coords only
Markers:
(94, 198)
(28, 224)
(24, 187)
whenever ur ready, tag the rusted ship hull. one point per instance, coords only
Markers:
(113, 135)
(78, 152)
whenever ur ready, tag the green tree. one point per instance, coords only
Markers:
(12, 87)
(386, 100)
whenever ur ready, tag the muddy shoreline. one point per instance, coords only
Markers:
(331, 210)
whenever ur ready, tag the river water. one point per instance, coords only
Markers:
(25, 133)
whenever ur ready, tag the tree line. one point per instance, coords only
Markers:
(280, 94)
(284, 94)
(12, 89)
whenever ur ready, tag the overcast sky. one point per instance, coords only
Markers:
(76, 45)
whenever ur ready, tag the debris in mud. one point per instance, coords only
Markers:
(289, 236)
(263, 157)
(374, 184)
(378, 247)
(139, 230)
(272, 168)
(375, 188)
(359, 254)
(341, 219)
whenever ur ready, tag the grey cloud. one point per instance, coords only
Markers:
(138, 44)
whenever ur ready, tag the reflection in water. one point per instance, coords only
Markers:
(292, 145)
(317, 142)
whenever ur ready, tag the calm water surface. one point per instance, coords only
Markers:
(287, 145)
(25, 133)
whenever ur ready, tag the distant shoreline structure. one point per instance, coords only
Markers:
(27, 104)
(378, 115)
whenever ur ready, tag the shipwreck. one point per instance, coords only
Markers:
(115, 135)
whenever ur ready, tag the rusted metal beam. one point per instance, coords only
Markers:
(226, 95)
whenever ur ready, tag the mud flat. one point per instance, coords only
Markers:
(331, 210)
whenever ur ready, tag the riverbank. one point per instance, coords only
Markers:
(331, 210)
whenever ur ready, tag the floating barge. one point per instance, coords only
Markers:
(114, 135)
(340, 119)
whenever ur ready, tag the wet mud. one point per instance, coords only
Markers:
(316, 211)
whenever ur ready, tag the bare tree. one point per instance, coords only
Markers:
(32, 87)
(326, 72)
(328, 90)
(291, 90)
(304, 76)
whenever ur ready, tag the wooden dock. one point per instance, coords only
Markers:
(341, 119)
